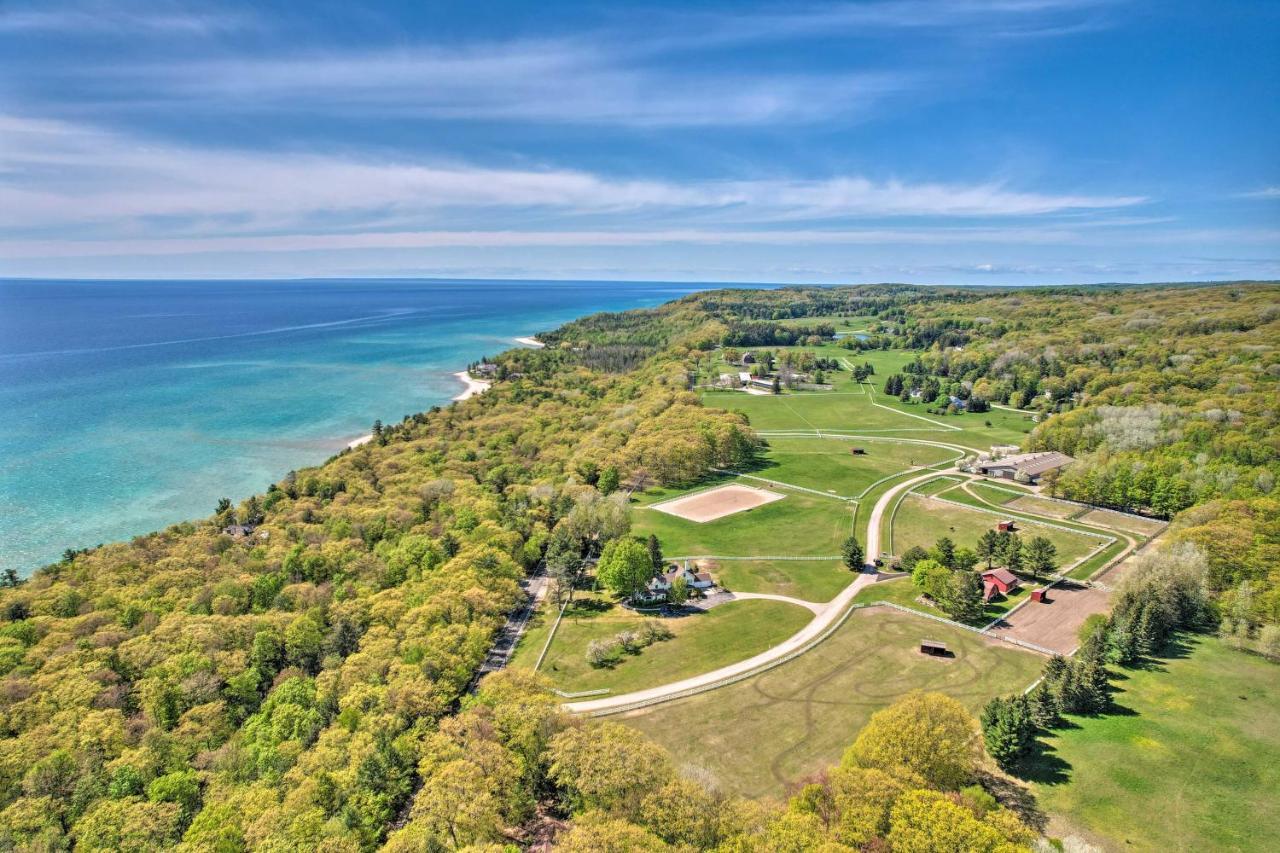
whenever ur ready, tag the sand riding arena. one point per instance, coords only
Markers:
(717, 502)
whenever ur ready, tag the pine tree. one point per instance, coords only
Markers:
(1040, 556)
(965, 601)
(655, 553)
(851, 551)
(1008, 729)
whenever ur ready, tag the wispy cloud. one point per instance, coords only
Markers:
(66, 175)
(578, 82)
(1265, 192)
(95, 17)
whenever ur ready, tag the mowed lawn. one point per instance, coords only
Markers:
(829, 464)
(808, 580)
(1192, 763)
(797, 525)
(922, 521)
(759, 735)
(703, 641)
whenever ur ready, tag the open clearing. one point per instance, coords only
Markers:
(703, 641)
(829, 465)
(922, 520)
(758, 735)
(807, 580)
(802, 525)
(1054, 625)
(717, 503)
(1122, 521)
(1190, 762)
(1042, 506)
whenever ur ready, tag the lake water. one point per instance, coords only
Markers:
(127, 406)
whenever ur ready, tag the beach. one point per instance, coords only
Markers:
(474, 386)
(530, 342)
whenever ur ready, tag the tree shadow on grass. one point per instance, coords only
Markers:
(1017, 798)
(1044, 766)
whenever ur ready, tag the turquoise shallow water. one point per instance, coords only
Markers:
(127, 406)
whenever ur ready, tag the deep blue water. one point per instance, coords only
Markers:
(127, 406)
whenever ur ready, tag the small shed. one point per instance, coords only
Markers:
(1006, 526)
(858, 451)
(1039, 595)
(933, 647)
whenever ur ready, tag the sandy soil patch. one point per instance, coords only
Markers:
(1054, 624)
(717, 503)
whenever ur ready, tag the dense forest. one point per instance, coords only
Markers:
(298, 671)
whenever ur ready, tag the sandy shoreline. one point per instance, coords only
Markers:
(530, 342)
(474, 386)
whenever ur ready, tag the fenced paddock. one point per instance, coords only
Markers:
(717, 503)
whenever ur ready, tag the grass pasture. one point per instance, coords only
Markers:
(845, 411)
(807, 580)
(703, 641)
(922, 521)
(828, 464)
(759, 735)
(798, 525)
(1190, 761)
(1122, 521)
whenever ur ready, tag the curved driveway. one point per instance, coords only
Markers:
(796, 642)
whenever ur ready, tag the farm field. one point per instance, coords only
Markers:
(1197, 738)
(922, 520)
(1020, 501)
(807, 580)
(828, 464)
(797, 525)
(1122, 521)
(703, 641)
(846, 411)
(800, 716)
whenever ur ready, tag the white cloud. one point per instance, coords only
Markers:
(157, 18)
(1265, 192)
(55, 174)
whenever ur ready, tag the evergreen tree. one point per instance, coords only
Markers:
(989, 547)
(944, 551)
(1008, 729)
(851, 551)
(1041, 554)
(965, 602)
(655, 553)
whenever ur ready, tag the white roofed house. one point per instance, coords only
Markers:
(659, 587)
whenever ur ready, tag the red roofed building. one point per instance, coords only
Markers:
(1001, 581)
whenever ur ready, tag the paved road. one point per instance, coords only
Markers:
(820, 622)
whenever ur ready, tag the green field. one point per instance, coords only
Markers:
(808, 580)
(846, 411)
(758, 735)
(921, 521)
(1191, 761)
(828, 464)
(703, 641)
(798, 525)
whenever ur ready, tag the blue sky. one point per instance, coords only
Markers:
(949, 141)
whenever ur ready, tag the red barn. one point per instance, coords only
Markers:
(1000, 581)
(1005, 526)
